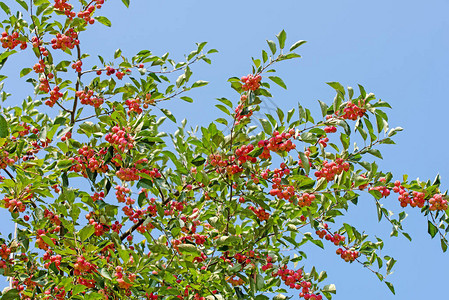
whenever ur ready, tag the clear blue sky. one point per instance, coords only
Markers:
(396, 49)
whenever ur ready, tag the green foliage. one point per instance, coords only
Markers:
(106, 203)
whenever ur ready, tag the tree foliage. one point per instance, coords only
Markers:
(109, 206)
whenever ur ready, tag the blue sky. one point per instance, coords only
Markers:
(396, 49)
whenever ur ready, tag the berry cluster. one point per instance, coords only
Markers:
(41, 244)
(109, 71)
(44, 86)
(134, 105)
(151, 296)
(5, 251)
(242, 111)
(348, 255)
(56, 259)
(26, 129)
(12, 41)
(65, 41)
(98, 196)
(37, 43)
(55, 94)
(121, 194)
(100, 228)
(330, 129)
(331, 169)
(235, 281)
(437, 203)
(89, 159)
(277, 143)
(55, 293)
(39, 67)
(120, 74)
(121, 138)
(39, 144)
(261, 214)
(14, 205)
(122, 283)
(89, 283)
(66, 136)
(66, 8)
(128, 174)
(385, 191)
(333, 238)
(282, 191)
(323, 141)
(305, 199)
(82, 266)
(242, 154)
(224, 165)
(268, 265)
(87, 14)
(294, 279)
(87, 98)
(352, 111)
(77, 66)
(251, 82)
(53, 218)
(5, 160)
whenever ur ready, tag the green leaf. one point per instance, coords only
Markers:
(362, 91)
(305, 162)
(323, 108)
(390, 286)
(4, 131)
(199, 83)
(228, 240)
(281, 36)
(266, 126)
(23, 4)
(5, 55)
(390, 264)
(278, 81)
(104, 272)
(78, 289)
(375, 152)
(431, 229)
(198, 161)
(393, 131)
(443, 245)
(126, 2)
(11, 295)
(117, 53)
(330, 288)
(187, 99)
(188, 248)
(272, 46)
(381, 123)
(5, 8)
(337, 86)
(264, 56)
(344, 138)
(259, 282)
(168, 114)
(256, 152)
(103, 20)
(181, 79)
(297, 44)
(86, 232)
(25, 71)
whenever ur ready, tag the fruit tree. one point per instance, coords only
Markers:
(107, 206)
